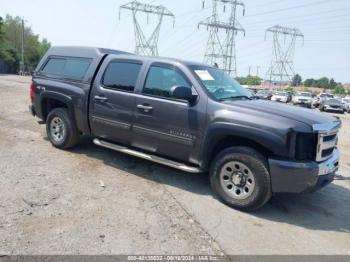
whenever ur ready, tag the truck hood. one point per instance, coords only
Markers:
(306, 116)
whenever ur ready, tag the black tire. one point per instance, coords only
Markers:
(70, 136)
(259, 169)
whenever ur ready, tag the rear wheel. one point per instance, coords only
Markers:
(60, 129)
(239, 177)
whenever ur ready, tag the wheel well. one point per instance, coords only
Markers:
(230, 141)
(48, 104)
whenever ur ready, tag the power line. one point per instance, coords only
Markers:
(290, 8)
(308, 17)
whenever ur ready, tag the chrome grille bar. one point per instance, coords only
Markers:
(327, 139)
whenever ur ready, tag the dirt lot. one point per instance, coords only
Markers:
(52, 202)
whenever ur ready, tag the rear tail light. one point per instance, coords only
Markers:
(31, 91)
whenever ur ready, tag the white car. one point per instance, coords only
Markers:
(321, 98)
(280, 96)
(303, 98)
(346, 104)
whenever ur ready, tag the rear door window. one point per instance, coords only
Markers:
(121, 75)
(67, 67)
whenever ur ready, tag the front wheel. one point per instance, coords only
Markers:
(60, 129)
(240, 178)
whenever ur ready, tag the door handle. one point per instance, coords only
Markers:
(101, 98)
(145, 108)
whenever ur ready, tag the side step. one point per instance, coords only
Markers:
(157, 159)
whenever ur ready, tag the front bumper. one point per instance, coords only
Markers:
(332, 109)
(298, 177)
(303, 103)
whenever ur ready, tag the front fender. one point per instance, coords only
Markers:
(277, 143)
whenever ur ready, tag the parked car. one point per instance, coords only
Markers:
(346, 104)
(322, 97)
(189, 116)
(264, 94)
(280, 96)
(253, 90)
(303, 99)
(332, 105)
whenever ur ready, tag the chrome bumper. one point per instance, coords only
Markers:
(330, 165)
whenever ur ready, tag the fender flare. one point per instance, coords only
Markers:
(275, 143)
(67, 100)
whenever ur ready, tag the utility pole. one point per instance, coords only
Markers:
(249, 70)
(147, 45)
(221, 49)
(284, 41)
(257, 71)
(22, 50)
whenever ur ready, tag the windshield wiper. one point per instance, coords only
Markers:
(235, 97)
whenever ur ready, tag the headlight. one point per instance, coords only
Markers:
(305, 146)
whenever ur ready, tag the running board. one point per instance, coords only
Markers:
(157, 159)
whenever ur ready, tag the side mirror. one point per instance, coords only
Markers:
(182, 92)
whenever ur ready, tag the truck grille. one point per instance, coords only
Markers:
(327, 142)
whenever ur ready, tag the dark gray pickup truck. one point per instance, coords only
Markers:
(185, 115)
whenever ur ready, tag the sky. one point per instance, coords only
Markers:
(324, 23)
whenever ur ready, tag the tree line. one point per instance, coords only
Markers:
(323, 82)
(249, 80)
(11, 32)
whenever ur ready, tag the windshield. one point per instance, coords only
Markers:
(263, 92)
(305, 94)
(327, 95)
(220, 85)
(333, 101)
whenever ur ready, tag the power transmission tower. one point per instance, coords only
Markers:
(221, 49)
(147, 45)
(284, 41)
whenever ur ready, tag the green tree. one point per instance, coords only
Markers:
(297, 80)
(10, 49)
(289, 89)
(339, 89)
(310, 82)
(8, 53)
(249, 80)
(1, 31)
(332, 84)
(322, 82)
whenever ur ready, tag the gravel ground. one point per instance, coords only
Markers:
(53, 201)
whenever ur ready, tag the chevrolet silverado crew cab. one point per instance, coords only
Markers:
(185, 115)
